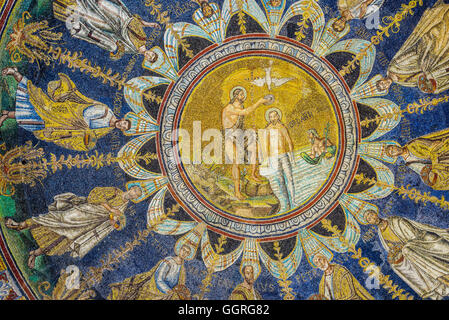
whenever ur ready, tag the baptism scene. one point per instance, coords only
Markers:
(268, 92)
(224, 150)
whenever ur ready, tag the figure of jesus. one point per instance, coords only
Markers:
(236, 139)
(279, 147)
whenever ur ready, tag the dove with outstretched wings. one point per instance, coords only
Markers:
(269, 80)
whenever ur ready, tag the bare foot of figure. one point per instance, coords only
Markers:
(7, 115)
(11, 224)
(9, 71)
(256, 178)
(239, 195)
(12, 71)
(3, 117)
(32, 258)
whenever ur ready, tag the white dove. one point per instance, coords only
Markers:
(269, 81)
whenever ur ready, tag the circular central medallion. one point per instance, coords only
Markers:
(258, 138)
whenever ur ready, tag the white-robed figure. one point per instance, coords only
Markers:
(423, 59)
(277, 153)
(76, 224)
(418, 253)
(107, 24)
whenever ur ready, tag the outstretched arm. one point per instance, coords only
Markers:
(247, 111)
(314, 152)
